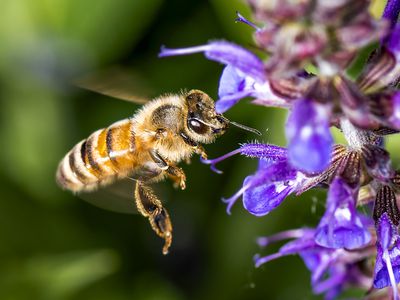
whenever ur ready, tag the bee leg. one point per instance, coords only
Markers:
(150, 206)
(198, 149)
(174, 172)
(178, 176)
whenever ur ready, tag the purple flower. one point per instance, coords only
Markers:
(394, 119)
(387, 266)
(331, 269)
(327, 36)
(310, 141)
(243, 76)
(393, 45)
(268, 187)
(274, 180)
(225, 53)
(341, 226)
(393, 42)
(235, 85)
(391, 11)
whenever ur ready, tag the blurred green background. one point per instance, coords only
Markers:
(54, 245)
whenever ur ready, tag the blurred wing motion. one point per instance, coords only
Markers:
(117, 197)
(117, 83)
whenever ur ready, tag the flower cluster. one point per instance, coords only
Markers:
(326, 37)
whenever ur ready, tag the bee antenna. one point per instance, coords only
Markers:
(244, 127)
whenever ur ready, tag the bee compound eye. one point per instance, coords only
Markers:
(197, 126)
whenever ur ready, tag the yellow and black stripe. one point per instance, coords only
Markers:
(104, 155)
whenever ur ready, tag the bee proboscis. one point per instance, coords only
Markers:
(147, 148)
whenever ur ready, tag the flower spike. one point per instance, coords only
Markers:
(310, 48)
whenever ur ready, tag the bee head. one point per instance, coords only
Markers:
(203, 122)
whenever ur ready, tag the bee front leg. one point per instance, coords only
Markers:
(150, 206)
(174, 172)
(198, 149)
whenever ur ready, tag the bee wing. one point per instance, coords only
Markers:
(118, 197)
(117, 83)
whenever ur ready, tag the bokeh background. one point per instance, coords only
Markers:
(53, 245)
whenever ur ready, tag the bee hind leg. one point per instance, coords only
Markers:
(150, 206)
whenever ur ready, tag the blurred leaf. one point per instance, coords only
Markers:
(66, 274)
(59, 276)
(150, 286)
(31, 118)
(91, 26)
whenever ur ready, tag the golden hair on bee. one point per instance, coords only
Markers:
(146, 147)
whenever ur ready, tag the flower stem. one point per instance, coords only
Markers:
(356, 137)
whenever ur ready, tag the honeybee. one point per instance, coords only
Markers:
(147, 148)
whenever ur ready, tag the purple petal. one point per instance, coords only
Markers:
(341, 227)
(393, 274)
(269, 187)
(332, 286)
(276, 172)
(312, 258)
(235, 85)
(393, 42)
(385, 231)
(387, 265)
(304, 240)
(226, 53)
(331, 269)
(285, 235)
(394, 119)
(260, 200)
(391, 11)
(302, 244)
(310, 141)
(214, 161)
(260, 260)
(231, 82)
(272, 182)
(232, 200)
(385, 259)
(232, 88)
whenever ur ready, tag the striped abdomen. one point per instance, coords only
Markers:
(105, 155)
